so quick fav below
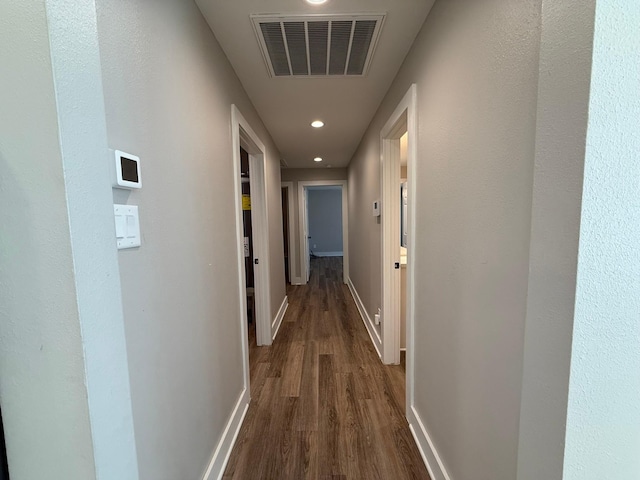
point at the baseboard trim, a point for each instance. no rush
(368, 323)
(328, 254)
(296, 281)
(275, 325)
(430, 456)
(223, 451)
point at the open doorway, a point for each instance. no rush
(4, 467)
(252, 243)
(398, 164)
(323, 220)
(249, 254)
(288, 231)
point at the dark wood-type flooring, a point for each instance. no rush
(322, 404)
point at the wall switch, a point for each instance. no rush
(377, 317)
(127, 226)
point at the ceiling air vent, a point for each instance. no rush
(315, 46)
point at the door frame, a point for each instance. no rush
(302, 218)
(244, 136)
(292, 258)
(403, 119)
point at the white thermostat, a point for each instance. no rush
(128, 174)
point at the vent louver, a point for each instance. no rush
(313, 46)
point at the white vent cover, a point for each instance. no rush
(318, 45)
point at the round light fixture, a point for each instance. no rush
(317, 159)
(316, 2)
(317, 124)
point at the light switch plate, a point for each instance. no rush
(376, 208)
(127, 226)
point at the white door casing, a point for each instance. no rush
(403, 119)
(304, 227)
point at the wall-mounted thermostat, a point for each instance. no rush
(376, 208)
(128, 174)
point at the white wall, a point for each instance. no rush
(325, 220)
(476, 69)
(603, 423)
(168, 92)
(64, 380)
(561, 127)
(43, 393)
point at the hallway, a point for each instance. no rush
(322, 404)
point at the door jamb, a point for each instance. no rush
(404, 118)
(244, 136)
(302, 187)
(292, 259)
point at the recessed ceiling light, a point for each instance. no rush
(317, 159)
(316, 2)
(317, 124)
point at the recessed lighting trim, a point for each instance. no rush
(317, 159)
(316, 2)
(317, 124)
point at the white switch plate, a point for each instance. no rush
(127, 226)
(376, 208)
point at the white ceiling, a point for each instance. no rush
(288, 105)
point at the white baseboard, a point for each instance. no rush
(328, 254)
(430, 456)
(368, 323)
(275, 325)
(222, 452)
(296, 281)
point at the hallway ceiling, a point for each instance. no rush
(288, 104)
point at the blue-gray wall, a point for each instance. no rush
(325, 220)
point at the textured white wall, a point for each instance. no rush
(42, 382)
(561, 128)
(476, 69)
(603, 423)
(168, 93)
(65, 384)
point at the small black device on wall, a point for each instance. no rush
(128, 173)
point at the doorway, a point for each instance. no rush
(398, 145)
(249, 254)
(306, 239)
(288, 230)
(4, 467)
(245, 139)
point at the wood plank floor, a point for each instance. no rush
(323, 405)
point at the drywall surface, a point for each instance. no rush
(325, 220)
(603, 422)
(42, 370)
(311, 174)
(168, 94)
(563, 101)
(296, 175)
(80, 102)
(476, 69)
